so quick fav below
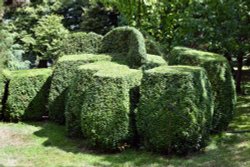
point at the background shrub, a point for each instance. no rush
(106, 104)
(81, 42)
(11, 53)
(175, 109)
(49, 34)
(220, 76)
(63, 73)
(126, 45)
(153, 47)
(27, 94)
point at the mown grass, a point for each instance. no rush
(45, 144)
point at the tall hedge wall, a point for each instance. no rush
(220, 76)
(27, 94)
(81, 42)
(105, 100)
(175, 109)
(126, 45)
(62, 77)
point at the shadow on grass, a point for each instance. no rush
(226, 149)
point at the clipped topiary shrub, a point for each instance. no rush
(153, 61)
(103, 102)
(63, 73)
(175, 109)
(27, 94)
(220, 76)
(81, 42)
(126, 45)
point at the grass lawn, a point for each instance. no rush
(45, 144)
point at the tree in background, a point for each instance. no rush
(217, 26)
(99, 19)
(49, 34)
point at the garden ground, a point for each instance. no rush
(45, 144)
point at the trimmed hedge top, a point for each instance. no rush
(193, 57)
(126, 45)
(27, 73)
(81, 42)
(220, 76)
(27, 94)
(64, 71)
(89, 58)
(113, 70)
(175, 109)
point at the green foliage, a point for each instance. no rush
(218, 26)
(153, 61)
(22, 20)
(220, 76)
(49, 34)
(81, 42)
(63, 73)
(1, 10)
(175, 109)
(126, 45)
(77, 94)
(103, 102)
(27, 94)
(11, 53)
(99, 19)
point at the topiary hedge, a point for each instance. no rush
(126, 45)
(27, 94)
(62, 77)
(81, 42)
(220, 76)
(175, 109)
(105, 100)
(153, 61)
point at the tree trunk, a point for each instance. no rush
(239, 72)
(43, 64)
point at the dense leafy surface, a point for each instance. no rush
(81, 42)
(175, 110)
(126, 45)
(220, 76)
(27, 94)
(62, 77)
(101, 98)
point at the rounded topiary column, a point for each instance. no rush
(175, 109)
(63, 74)
(100, 106)
(220, 76)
